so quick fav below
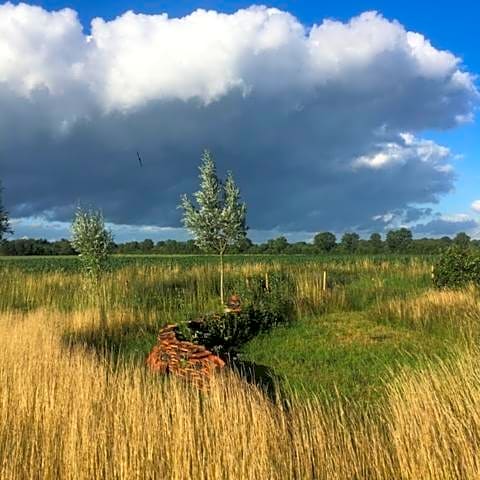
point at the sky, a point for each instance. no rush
(339, 116)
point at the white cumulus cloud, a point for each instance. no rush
(476, 206)
(135, 58)
(406, 148)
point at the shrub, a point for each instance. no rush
(457, 267)
(254, 289)
(224, 333)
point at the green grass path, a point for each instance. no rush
(343, 351)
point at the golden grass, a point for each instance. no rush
(454, 310)
(66, 413)
(435, 420)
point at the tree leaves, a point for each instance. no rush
(218, 220)
(4, 221)
(91, 240)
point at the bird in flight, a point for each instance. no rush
(140, 161)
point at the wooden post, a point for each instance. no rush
(267, 285)
(221, 280)
(324, 282)
(433, 272)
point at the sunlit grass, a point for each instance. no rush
(449, 312)
(344, 353)
(66, 414)
(377, 376)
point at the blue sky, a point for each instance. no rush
(450, 26)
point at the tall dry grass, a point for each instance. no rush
(434, 419)
(454, 311)
(66, 413)
(175, 292)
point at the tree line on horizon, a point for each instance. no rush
(398, 241)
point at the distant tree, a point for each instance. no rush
(475, 243)
(62, 247)
(4, 221)
(349, 242)
(301, 248)
(426, 246)
(445, 242)
(462, 240)
(91, 240)
(375, 243)
(244, 246)
(129, 247)
(191, 247)
(219, 220)
(399, 241)
(277, 245)
(168, 247)
(324, 242)
(147, 245)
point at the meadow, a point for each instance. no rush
(374, 378)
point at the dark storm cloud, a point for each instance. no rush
(441, 226)
(415, 214)
(314, 134)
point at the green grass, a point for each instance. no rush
(344, 354)
(44, 264)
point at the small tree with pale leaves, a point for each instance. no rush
(219, 220)
(91, 240)
(4, 221)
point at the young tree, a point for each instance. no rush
(91, 240)
(4, 221)
(219, 219)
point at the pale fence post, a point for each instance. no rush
(324, 282)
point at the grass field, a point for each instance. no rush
(375, 378)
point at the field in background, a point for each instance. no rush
(376, 378)
(70, 263)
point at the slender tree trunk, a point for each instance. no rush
(221, 278)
